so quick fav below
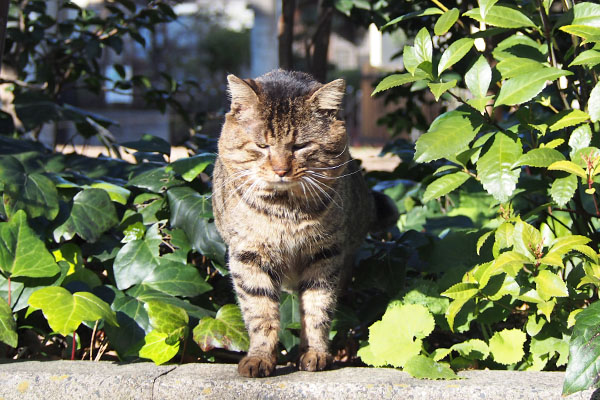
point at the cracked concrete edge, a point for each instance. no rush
(106, 380)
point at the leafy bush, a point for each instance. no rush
(523, 78)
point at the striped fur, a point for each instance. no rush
(292, 207)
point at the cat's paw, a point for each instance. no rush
(256, 367)
(312, 361)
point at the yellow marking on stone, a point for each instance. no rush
(207, 390)
(23, 386)
(281, 386)
(56, 378)
(370, 385)
(404, 385)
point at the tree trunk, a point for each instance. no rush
(3, 21)
(286, 34)
(317, 61)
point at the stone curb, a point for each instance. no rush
(105, 380)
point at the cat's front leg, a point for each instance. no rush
(258, 289)
(317, 291)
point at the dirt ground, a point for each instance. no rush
(368, 155)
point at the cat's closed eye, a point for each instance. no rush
(262, 145)
(300, 146)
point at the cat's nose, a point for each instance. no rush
(281, 172)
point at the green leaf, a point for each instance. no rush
(589, 33)
(189, 168)
(149, 143)
(506, 346)
(546, 307)
(445, 22)
(568, 166)
(189, 211)
(541, 157)
(409, 57)
(423, 46)
(580, 138)
(22, 253)
(473, 349)
(584, 352)
(548, 285)
(484, 6)
(8, 326)
(147, 294)
(157, 349)
(567, 118)
(366, 355)
(509, 261)
(512, 67)
(525, 87)
(563, 189)
(562, 245)
(586, 13)
(415, 14)
(589, 58)
(32, 192)
(448, 135)
(226, 330)
(393, 341)
(479, 77)
(116, 193)
(397, 80)
(438, 89)
(454, 53)
(594, 103)
(494, 168)
(65, 311)
(176, 279)
(167, 318)
(137, 259)
(425, 368)
(157, 180)
(444, 185)
(534, 325)
(501, 16)
(482, 239)
(453, 309)
(92, 213)
(526, 238)
(461, 290)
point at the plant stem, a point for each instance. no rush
(9, 293)
(92, 341)
(74, 345)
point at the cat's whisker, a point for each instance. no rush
(314, 194)
(320, 175)
(316, 183)
(335, 166)
(343, 151)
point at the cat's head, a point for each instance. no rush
(283, 130)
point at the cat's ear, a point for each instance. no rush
(330, 95)
(242, 93)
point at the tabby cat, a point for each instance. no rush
(292, 207)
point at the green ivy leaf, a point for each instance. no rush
(549, 285)
(523, 88)
(151, 144)
(494, 168)
(189, 168)
(563, 189)
(146, 294)
(448, 135)
(176, 279)
(22, 253)
(584, 352)
(454, 53)
(541, 157)
(65, 311)
(446, 21)
(168, 319)
(479, 77)
(8, 326)
(226, 330)
(594, 103)
(157, 348)
(92, 214)
(506, 346)
(502, 17)
(425, 368)
(116, 193)
(444, 185)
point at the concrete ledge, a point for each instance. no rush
(105, 380)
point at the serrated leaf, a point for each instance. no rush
(445, 22)
(453, 309)
(514, 66)
(584, 352)
(526, 239)
(549, 285)
(524, 87)
(461, 291)
(585, 13)
(563, 189)
(22, 252)
(594, 103)
(567, 118)
(415, 14)
(502, 17)
(572, 316)
(479, 77)
(409, 58)
(366, 355)
(589, 33)
(482, 239)
(226, 330)
(580, 138)
(65, 311)
(562, 245)
(449, 134)
(454, 53)
(546, 307)
(157, 349)
(484, 6)
(425, 368)
(473, 349)
(494, 168)
(587, 251)
(423, 46)
(438, 89)
(444, 185)
(189, 168)
(506, 346)
(397, 80)
(568, 166)
(541, 157)
(92, 214)
(510, 262)
(534, 325)
(589, 58)
(8, 326)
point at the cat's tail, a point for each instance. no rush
(386, 212)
